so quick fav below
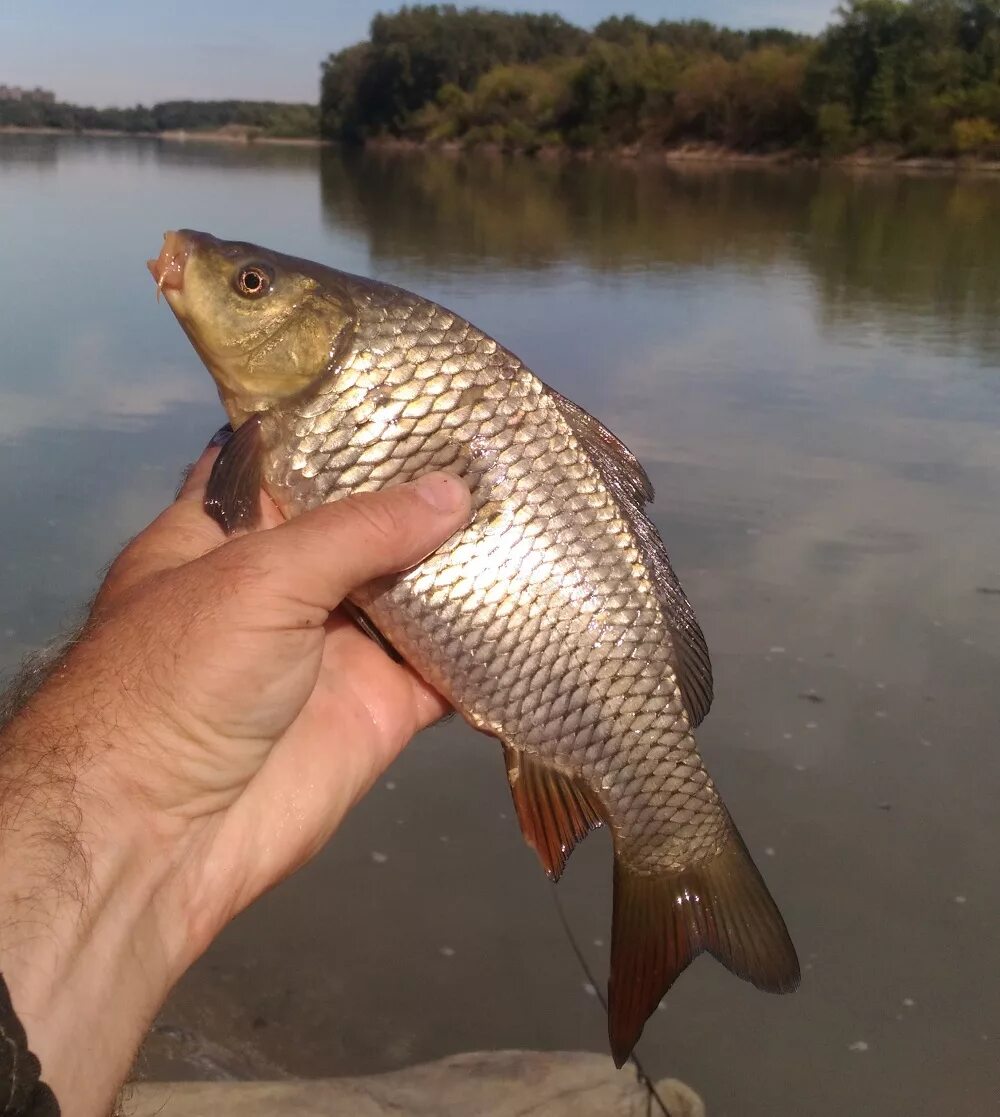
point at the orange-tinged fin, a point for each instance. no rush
(663, 922)
(232, 497)
(554, 810)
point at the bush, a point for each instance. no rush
(835, 129)
(977, 136)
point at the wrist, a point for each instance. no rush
(85, 885)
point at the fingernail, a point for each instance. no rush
(444, 492)
(221, 437)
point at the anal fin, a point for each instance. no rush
(554, 810)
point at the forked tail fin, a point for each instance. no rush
(662, 922)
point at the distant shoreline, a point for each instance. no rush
(684, 154)
(229, 136)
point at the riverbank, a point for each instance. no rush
(488, 1084)
(231, 135)
(707, 153)
(681, 154)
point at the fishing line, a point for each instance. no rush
(651, 1091)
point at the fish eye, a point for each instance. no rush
(252, 282)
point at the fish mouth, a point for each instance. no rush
(168, 268)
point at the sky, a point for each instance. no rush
(122, 52)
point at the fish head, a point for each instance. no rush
(266, 325)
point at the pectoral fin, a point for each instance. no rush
(371, 630)
(232, 497)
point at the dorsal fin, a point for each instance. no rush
(554, 810)
(606, 449)
(232, 496)
(629, 482)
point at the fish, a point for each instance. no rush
(553, 622)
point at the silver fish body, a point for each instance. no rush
(540, 622)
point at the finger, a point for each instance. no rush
(428, 704)
(317, 559)
(346, 644)
(195, 477)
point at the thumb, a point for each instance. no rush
(318, 558)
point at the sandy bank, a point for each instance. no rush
(491, 1084)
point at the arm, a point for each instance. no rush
(201, 740)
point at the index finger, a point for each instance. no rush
(195, 478)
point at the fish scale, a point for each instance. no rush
(553, 621)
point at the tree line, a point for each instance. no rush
(911, 77)
(265, 118)
(917, 78)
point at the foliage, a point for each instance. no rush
(975, 137)
(272, 118)
(908, 74)
(834, 128)
(521, 80)
(921, 76)
(516, 106)
(375, 88)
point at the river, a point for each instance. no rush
(807, 363)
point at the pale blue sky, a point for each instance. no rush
(123, 51)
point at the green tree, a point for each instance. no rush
(412, 53)
(766, 100)
(908, 71)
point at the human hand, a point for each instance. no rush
(257, 713)
(204, 738)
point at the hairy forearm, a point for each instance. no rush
(81, 898)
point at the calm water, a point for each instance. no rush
(808, 365)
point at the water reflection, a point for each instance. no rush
(480, 211)
(20, 151)
(255, 157)
(916, 255)
(912, 255)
